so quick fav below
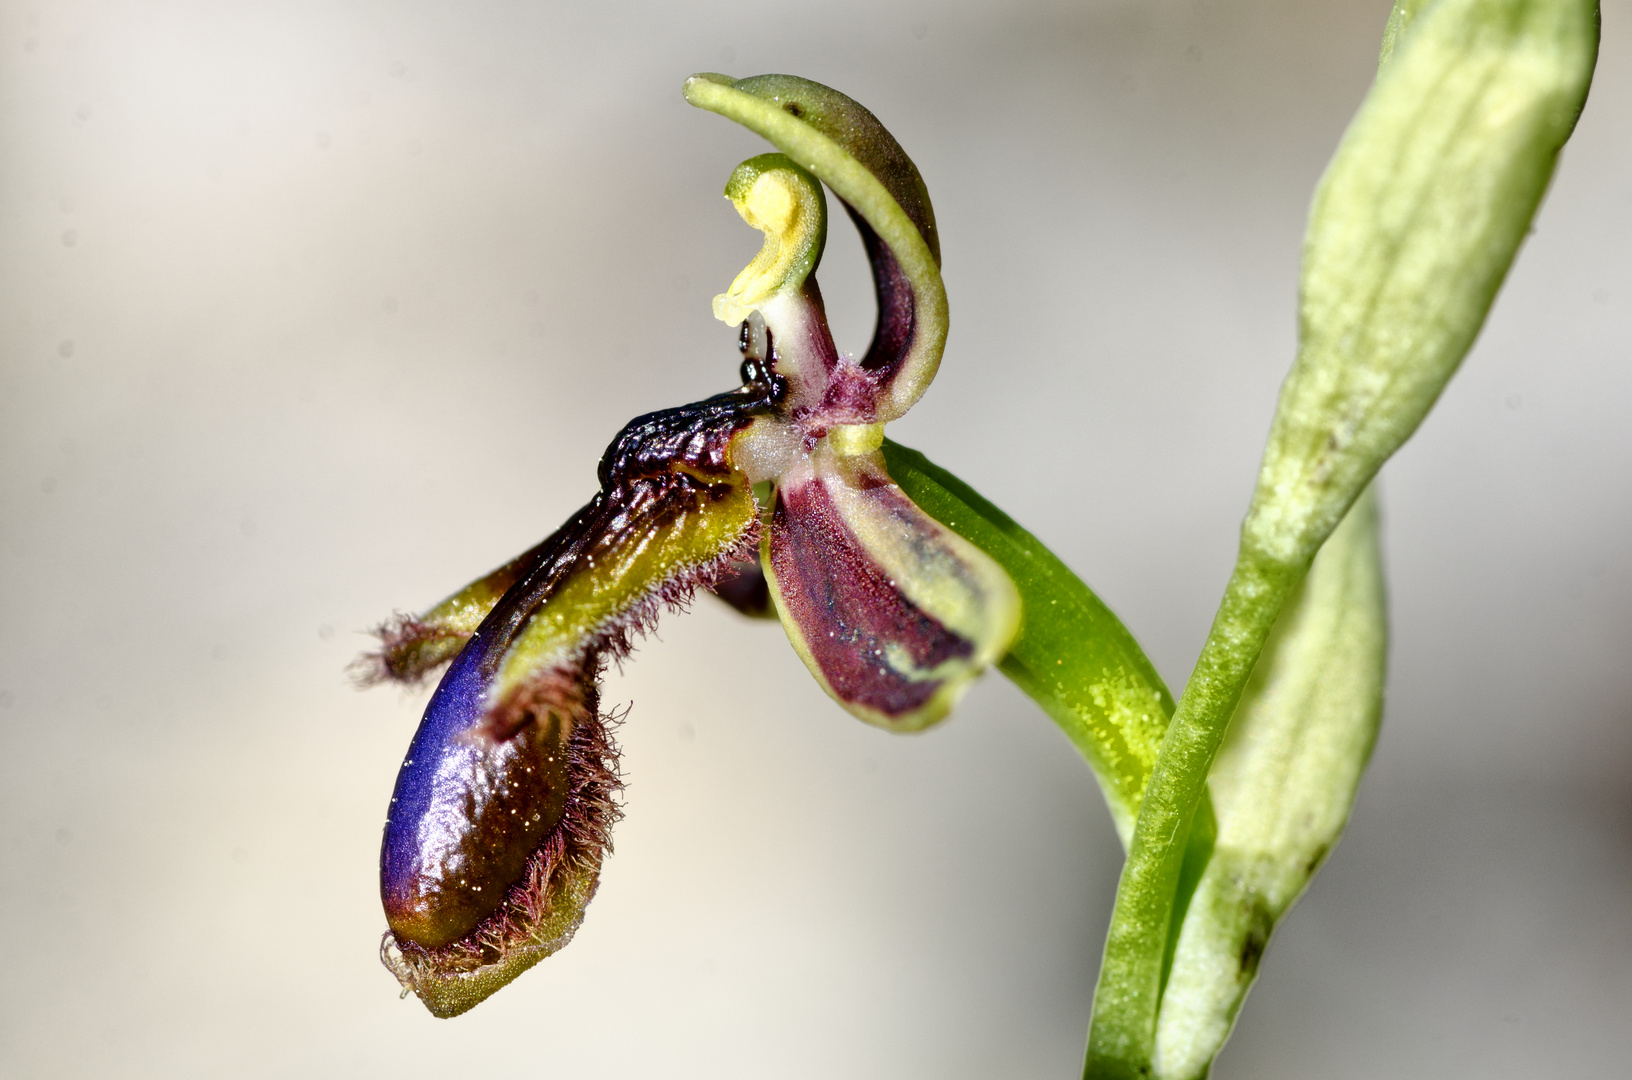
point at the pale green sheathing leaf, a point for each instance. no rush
(1399, 21)
(1282, 786)
(1412, 231)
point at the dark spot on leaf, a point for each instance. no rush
(793, 108)
(1256, 940)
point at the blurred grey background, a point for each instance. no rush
(310, 311)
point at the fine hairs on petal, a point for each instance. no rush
(540, 913)
(410, 651)
(676, 594)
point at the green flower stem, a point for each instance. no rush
(1283, 785)
(1412, 231)
(1122, 1035)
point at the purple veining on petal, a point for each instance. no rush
(857, 626)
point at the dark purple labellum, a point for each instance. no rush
(470, 809)
(502, 807)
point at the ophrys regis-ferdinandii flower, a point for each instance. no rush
(504, 802)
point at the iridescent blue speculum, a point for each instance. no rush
(504, 802)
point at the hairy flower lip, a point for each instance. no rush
(469, 809)
(539, 914)
(490, 824)
(477, 877)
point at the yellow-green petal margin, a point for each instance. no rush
(623, 571)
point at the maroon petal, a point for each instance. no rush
(893, 613)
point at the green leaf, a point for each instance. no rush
(1283, 785)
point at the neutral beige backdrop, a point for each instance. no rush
(310, 311)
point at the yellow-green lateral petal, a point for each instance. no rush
(412, 646)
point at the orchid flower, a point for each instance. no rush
(898, 585)
(504, 802)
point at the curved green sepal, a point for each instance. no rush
(846, 147)
(1072, 656)
(1283, 785)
